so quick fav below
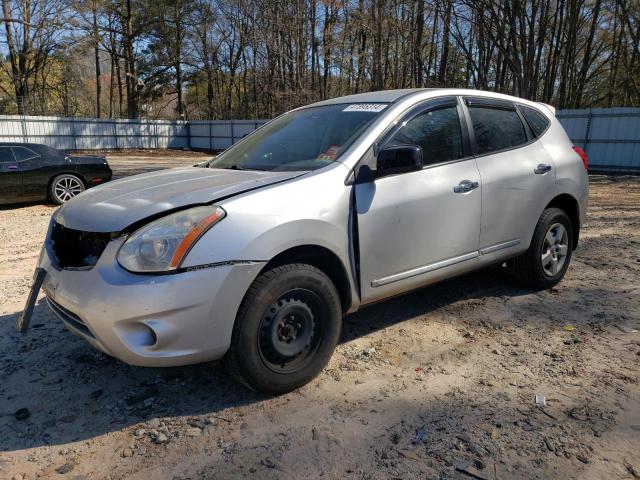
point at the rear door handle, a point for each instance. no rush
(12, 167)
(465, 186)
(541, 169)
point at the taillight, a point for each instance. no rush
(583, 156)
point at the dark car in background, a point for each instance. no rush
(33, 172)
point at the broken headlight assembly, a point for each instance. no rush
(162, 245)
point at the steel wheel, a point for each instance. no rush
(287, 338)
(286, 329)
(65, 187)
(554, 249)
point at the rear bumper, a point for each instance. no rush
(93, 179)
(149, 320)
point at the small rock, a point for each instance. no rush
(22, 414)
(314, 434)
(66, 468)
(140, 432)
(582, 458)
(497, 352)
(158, 437)
(127, 452)
(192, 432)
(154, 423)
(550, 446)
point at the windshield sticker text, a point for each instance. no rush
(365, 107)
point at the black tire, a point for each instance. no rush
(286, 329)
(64, 187)
(528, 268)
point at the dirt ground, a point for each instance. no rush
(440, 383)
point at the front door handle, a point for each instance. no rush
(12, 167)
(465, 186)
(541, 169)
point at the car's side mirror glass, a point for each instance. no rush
(399, 159)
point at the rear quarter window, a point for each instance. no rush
(538, 122)
(24, 153)
(496, 129)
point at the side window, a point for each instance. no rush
(537, 121)
(5, 155)
(436, 131)
(496, 129)
(24, 153)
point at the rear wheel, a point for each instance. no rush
(286, 330)
(64, 187)
(548, 257)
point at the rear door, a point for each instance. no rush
(518, 176)
(418, 227)
(10, 177)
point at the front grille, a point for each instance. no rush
(77, 249)
(70, 318)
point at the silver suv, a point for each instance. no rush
(256, 255)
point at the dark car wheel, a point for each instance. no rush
(548, 257)
(286, 329)
(64, 187)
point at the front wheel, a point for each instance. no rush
(548, 257)
(286, 329)
(64, 187)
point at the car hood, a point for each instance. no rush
(114, 206)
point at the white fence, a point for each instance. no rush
(104, 134)
(219, 134)
(611, 136)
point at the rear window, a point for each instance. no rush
(496, 129)
(538, 122)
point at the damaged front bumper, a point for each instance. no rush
(148, 320)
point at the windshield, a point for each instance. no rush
(304, 139)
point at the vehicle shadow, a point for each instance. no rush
(73, 392)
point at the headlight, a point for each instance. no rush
(162, 245)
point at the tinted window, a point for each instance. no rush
(5, 155)
(23, 153)
(436, 131)
(496, 129)
(537, 121)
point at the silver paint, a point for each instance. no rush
(413, 229)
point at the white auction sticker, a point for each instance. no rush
(365, 107)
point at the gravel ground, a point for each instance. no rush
(440, 383)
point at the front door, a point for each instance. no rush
(418, 227)
(10, 177)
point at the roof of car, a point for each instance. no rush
(381, 96)
(21, 144)
(392, 96)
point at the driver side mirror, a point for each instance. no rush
(399, 159)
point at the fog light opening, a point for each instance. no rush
(141, 335)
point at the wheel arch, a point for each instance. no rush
(571, 207)
(324, 260)
(64, 172)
